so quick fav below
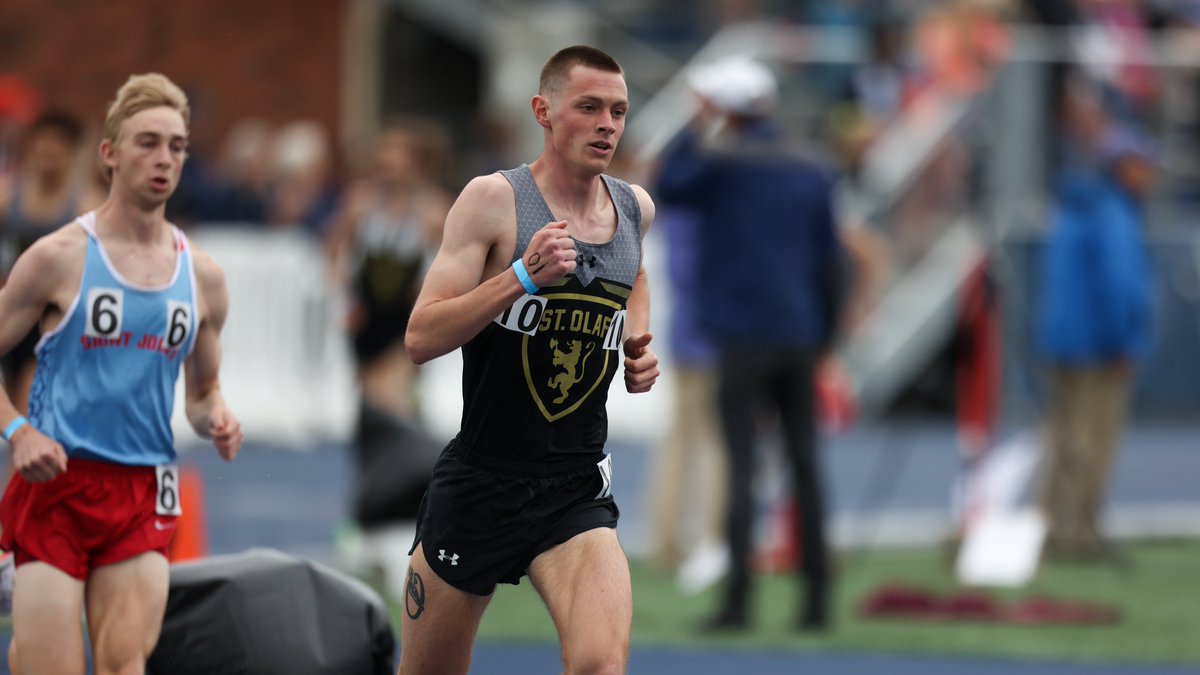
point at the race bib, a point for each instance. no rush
(605, 467)
(524, 315)
(166, 503)
(616, 329)
(103, 312)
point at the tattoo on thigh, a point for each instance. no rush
(414, 597)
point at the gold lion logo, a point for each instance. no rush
(571, 365)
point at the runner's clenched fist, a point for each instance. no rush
(551, 254)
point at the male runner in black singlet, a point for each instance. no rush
(539, 280)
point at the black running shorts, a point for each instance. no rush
(480, 527)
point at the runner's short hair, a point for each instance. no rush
(554, 73)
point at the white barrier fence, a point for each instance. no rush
(286, 369)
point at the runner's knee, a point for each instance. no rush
(594, 660)
(599, 667)
(134, 665)
(125, 659)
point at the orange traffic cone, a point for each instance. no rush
(191, 531)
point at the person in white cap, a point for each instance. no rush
(770, 296)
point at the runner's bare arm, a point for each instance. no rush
(456, 300)
(25, 296)
(205, 405)
(641, 363)
(38, 278)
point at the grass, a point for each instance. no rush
(1159, 598)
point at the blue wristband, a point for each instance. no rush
(523, 277)
(14, 426)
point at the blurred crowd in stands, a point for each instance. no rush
(295, 173)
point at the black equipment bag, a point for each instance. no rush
(266, 613)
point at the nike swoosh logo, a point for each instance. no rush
(160, 525)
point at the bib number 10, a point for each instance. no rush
(524, 315)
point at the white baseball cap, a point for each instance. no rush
(735, 84)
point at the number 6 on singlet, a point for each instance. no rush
(166, 501)
(179, 322)
(104, 309)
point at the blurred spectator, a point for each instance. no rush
(769, 282)
(1094, 321)
(302, 193)
(692, 452)
(19, 104)
(380, 239)
(49, 189)
(961, 42)
(243, 174)
(883, 85)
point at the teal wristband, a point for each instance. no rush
(14, 426)
(523, 277)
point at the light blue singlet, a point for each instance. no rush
(105, 381)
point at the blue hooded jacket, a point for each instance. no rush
(1096, 290)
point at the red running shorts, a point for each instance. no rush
(95, 514)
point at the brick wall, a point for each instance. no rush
(275, 59)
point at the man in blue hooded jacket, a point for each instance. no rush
(1093, 327)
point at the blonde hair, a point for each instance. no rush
(142, 92)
